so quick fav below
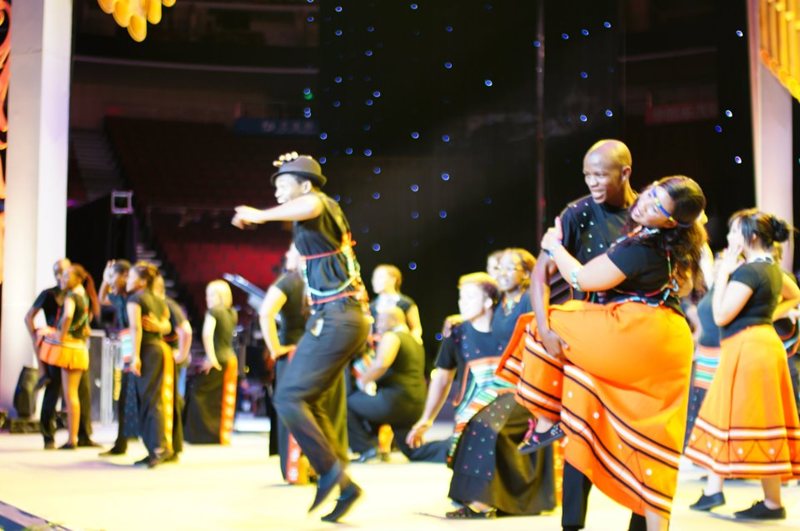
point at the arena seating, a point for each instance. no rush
(187, 178)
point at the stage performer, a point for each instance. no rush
(489, 474)
(336, 332)
(748, 426)
(211, 395)
(68, 348)
(151, 364)
(590, 225)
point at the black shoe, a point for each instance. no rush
(365, 456)
(759, 511)
(143, 461)
(49, 445)
(535, 441)
(348, 497)
(114, 450)
(326, 483)
(67, 446)
(88, 443)
(466, 512)
(708, 502)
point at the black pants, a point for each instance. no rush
(334, 405)
(334, 335)
(52, 392)
(149, 391)
(575, 501)
(127, 399)
(366, 413)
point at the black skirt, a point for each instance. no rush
(488, 468)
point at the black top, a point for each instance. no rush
(47, 301)
(293, 314)
(466, 344)
(404, 302)
(589, 228)
(503, 323)
(646, 271)
(120, 304)
(223, 332)
(407, 372)
(766, 281)
(80, 317)
(176, 319)
(323, 234)
(149, 303)
(709, 331)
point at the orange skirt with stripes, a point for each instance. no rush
(621, 394)
(748, 426)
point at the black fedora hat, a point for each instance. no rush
(305, 167)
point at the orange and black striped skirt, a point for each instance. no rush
(621, 395)
(748, 426)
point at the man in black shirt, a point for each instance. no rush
(590, 225)
(338, 328)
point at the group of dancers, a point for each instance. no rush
(590, 343)
(154, 339)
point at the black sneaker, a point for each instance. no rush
(88, 443)
(708, 502)
(534, 441)
(759, 511)
(114, 450)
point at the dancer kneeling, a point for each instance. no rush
(489, 474)
(620, 393)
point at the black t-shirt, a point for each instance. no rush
(407, 372)
(404, 302)
(503, 323)
(709, 333)
(78, 327)
(120, 305)
(466, 344)
(646, 270)
(176, 319)
(588, 230)
(293, 314)
(766, 281)
(223, 332)
(321, 235)
(48, 302)
(149, 303)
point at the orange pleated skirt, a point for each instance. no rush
(621, 395)
(71, 354)
(748, 426)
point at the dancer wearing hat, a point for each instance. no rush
(336, 331)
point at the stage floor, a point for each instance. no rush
(239, 487)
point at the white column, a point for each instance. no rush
(36, 170)
(772, 136)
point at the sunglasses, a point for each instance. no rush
(658, 204)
